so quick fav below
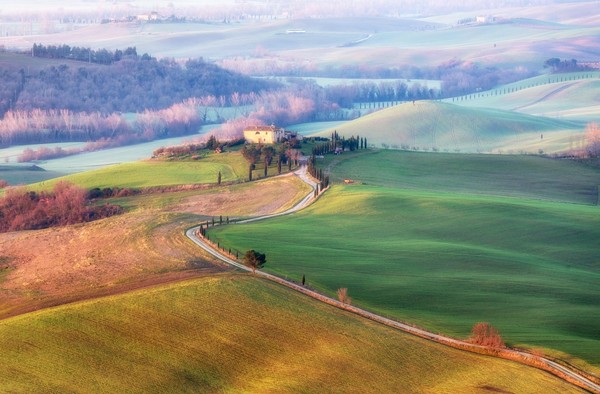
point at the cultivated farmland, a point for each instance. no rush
(235, 333)
(448, 258)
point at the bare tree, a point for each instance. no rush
(592, 137)
(485, 334)
(343, 297)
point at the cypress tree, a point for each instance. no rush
(219, 178)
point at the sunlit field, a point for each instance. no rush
(450, 257)
(236, 333)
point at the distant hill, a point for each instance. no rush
(441, 126)
(132, 84)
(572, 96)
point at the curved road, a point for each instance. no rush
(523, 357)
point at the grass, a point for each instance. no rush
(444, 126)
(150, 173)
(571, 96)
(144, 246)
(501, 175)
(446, 260)
(236, 333)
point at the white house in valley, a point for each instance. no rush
(264, 134)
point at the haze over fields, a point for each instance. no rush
(445, 156)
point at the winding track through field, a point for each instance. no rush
(515, 355)
(545, 97)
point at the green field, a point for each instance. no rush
(150, 173)
(235, 333)
(429, 125)
(500, 175)
(446, 260)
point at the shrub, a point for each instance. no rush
(485, 334)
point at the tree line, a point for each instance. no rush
(101, 131)
(100, 56)
(66, 204)
(131, 84)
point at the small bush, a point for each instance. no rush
(485, 334)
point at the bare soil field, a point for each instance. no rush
(143, 247)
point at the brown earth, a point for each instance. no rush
(141, 248)
(251, 199)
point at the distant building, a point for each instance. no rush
(263, 134)
(485, 19)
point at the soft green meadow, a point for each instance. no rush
(448, 258)
(426, 125)
(500, 175)
(235, 333)
(149, 173)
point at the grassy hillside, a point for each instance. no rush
(446, 260)
(150, 173)
(444, 126)
(394, 41)
(144, 246)
(501, 175)
(236, 333)
(570, 96)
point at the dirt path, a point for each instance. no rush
(547, 96)
(525, 358)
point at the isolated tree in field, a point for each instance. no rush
(219, 178)
(254, 259)
(343, 297)
(485, 334)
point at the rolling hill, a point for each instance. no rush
(236, 333)
(444, 126)
(430, 240)
(569, 96)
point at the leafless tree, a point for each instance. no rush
(343, 297)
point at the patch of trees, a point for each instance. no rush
(194, 150)
(563, 66)
(283, 153)
(66, 204)
(44, 126)
(101, 56)
(337, 144)
(457, 78)
(130, 84)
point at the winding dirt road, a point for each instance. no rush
(525, 358)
